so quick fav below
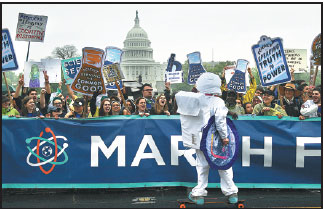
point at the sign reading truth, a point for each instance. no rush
(195, 67)
(271, 61)
(90, 78)
(70, 68)
(31, 28)
(9, 61)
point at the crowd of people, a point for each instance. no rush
(295, 99)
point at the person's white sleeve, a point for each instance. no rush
(308, 108)
(220, 120)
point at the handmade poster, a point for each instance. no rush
(70, 68)
(90, 77)
(53, 69)
(237, 82)
(317, 50)
(296, 59)
(33, 74)
(195, 67)
(112, 73)
(31, 27)
(218, 156)
(9, 60)
(173, 72)
(271, 61)
(113, 56)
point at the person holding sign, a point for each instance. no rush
(160, 107)
(78, 106)
(268, 108)
(291, 101)
(313, 107)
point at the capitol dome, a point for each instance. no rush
(137, 59)
(137, 46)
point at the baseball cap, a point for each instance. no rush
(78, 102)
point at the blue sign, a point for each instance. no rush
(195, 67)
(113, 55)
(237, 82)
(271, 61)
(70, 68)
(9, 60)
(103, 152)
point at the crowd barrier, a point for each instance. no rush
(134, 151)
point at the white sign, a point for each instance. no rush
(297, 59)
(53, 68)
(33, 75)
(31, 28)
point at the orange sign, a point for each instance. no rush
(317, 50)
(90, 78)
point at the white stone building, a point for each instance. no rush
(137, 60)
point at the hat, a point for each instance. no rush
(269, 92)
(5, 99)
(78, 102)
(57, 98)
(209, 83)
(290, 86)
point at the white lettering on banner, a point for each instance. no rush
(247, 151)
(176, 153)
(147, 140)
(301, 152)
(97, 142)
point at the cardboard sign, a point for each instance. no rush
(53, 69)
(317, 50)
(9, 60)
(237, 82)
(112, 85)
(297, 59)
(195, 67)
(70, 68)
(271, 61)
(90, 78)
(173, 73)
(112, 73)
(33, 74)
(31, 28)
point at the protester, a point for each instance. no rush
(7, 109)
(57, 104)
(78, 109)
(248, 108)
(130, 107)
(160, 106)
(141, 107)
(231, 104)
(312, 107)
(115, 107)
(252, 88)
(268, 108)
(290, 99)
(147, 92)
(29, 108)
(209, 84)
(256, 100)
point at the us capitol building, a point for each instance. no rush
(137, 61)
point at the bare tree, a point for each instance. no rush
(65, 52)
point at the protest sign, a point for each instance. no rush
(173, 73)
(70, 68)
(271, 61)
(33, 74)
(112, 73)
(9, 61)
(90, 78)
(113, 56)
(195, 67)
(53, 69)
(296, 59)
(317, 50)
(31, 28)
(237, 82)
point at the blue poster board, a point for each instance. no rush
(271, 61)
(195, 67)
(9, 60)
(70, 68)
(237, 82)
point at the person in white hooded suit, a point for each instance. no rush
(195, 110)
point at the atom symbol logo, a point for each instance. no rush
(47, 151)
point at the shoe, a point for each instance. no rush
(232, 199)
(199, 200)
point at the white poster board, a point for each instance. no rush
(53, 68)
(33, 74)
(31, 27)
(297, 59)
